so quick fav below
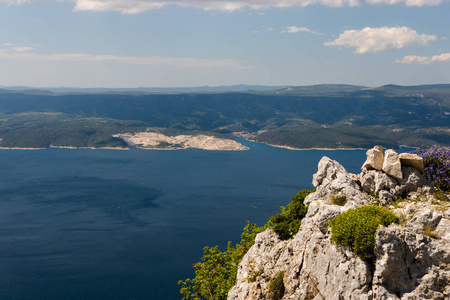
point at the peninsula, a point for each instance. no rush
(158, 141)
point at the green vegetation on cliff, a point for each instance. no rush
(216, 273)
(287, 222)
(356, 228)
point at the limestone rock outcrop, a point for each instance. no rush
(412, 160)
(412, 258)
(396, 179)
(410, 265)
(375, 159)
(332, 179)
(313, 265)
(392, 165)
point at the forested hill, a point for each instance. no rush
(332, 116)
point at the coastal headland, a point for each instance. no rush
(158, 141)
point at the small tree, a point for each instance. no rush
(216, 274)
(287, 222)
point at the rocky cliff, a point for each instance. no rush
(411, 257)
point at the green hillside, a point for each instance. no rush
(330, 116)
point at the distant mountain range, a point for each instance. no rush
(325, 116)
(310, 90)
(200, 89)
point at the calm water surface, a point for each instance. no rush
(104, 224)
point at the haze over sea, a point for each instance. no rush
(104, 224)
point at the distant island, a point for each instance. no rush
(325, 116)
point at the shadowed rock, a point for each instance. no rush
(412, 160)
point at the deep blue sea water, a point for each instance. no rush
(105, 224)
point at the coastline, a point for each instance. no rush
(20, 148)
(184, 146)
(324, 149)
(305, 149)
(116, 148)
(91, 148)
(64, 147)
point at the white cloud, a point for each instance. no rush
(16, 2)
(413, 59)
(269, 29)
(22, 49)
(123, 6)
(294, 29)
(406, 2)
(183, 62)
(372, 40)
(441, 57)
(139, 6)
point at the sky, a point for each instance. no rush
(183, 43)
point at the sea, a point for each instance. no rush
(108, 224)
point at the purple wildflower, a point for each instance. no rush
(437, 165)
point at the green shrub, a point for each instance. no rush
(276, 286)
(286, 223)
(356, 228)
(216, 273)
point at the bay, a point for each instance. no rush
(105, 224)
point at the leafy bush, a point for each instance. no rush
(276, 286)
(286, 223)
(356, 228)
(437, 165)
(216, 273)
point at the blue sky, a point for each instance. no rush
(169, 43)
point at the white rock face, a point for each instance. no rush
(313, 265)
(392, 165)
(387, 187)
(332, 178)
(412, 180)
(374, 159)
(408, 264)
(376, 181)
